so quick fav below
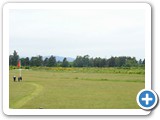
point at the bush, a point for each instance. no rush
(12, 67)
(27, 67)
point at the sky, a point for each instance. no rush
(68, 33)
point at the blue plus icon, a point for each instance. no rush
(147, 99)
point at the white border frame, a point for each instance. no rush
(9, 6)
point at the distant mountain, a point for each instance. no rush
(60, 58)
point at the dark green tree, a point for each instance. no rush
(13, 59)
(40, 60)
(33, 61)
(65, 63)
(23, 62)
(91, 62)
(140, 62)
(122, 61)
(143, 62)
(131, 62)
(97, 62)
(78, 62)
(85, 61)
(51, 61)
(103, 62)
(45, 62)
(10, 60)
(111, 62)
(27, 62)
(36, 61)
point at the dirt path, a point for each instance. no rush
(24, 100)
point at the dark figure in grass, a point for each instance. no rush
(19, 79)
(14, 78)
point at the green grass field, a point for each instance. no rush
(76, 88)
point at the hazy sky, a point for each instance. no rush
(98, 33)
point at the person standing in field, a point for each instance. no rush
(19, 79)
(14, 78)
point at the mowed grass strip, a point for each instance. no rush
(75, 90)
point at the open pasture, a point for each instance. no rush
(76, 88)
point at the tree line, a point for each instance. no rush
(80, 61)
